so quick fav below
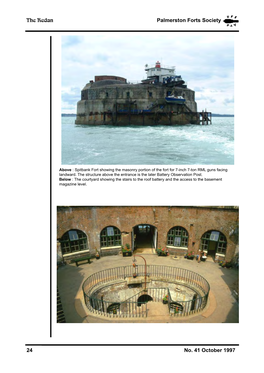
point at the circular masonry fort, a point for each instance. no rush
(161, 98)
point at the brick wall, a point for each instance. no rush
(196, 220)
(98, 78)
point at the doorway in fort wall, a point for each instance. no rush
(144, 239)
(214, 244)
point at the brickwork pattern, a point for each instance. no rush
(196, 220)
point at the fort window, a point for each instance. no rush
(178, 236)
(73, 241)
(106, 94)
(150, 94)
(214, 242)
(128, 94)
(110, 236)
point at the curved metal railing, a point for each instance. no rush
(133, 306)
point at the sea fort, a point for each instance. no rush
(162, 98)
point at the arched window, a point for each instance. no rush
(178, 236)
(72, 241)
(216, 240)
(110, 236)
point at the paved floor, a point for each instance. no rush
(222, 307)
(158, 309)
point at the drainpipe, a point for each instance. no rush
(134, 260)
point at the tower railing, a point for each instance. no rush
(136, 305)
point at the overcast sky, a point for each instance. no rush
(204, 60)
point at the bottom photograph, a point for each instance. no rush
(147, 264)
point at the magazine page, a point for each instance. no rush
(142, 159)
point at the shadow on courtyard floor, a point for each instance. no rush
(231, 278)
(69, 279)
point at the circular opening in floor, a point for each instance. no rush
(116, 292)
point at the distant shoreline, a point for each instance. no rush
(222, 115)
(213, 115)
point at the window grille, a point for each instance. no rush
(178, 236)
(214, 236)
(72, 241)
(110, 236)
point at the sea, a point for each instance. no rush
(148, 145)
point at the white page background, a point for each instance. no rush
(26, 281)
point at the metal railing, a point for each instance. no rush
(136, 305)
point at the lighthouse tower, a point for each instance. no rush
(161, 74)
(159, 71)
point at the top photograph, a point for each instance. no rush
(147, 98)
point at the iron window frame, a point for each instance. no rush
(221, 242)
(179, 232)
(69, 246)
(110, 241)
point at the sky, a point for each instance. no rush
(204, 60)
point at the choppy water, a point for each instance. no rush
(148, 145)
